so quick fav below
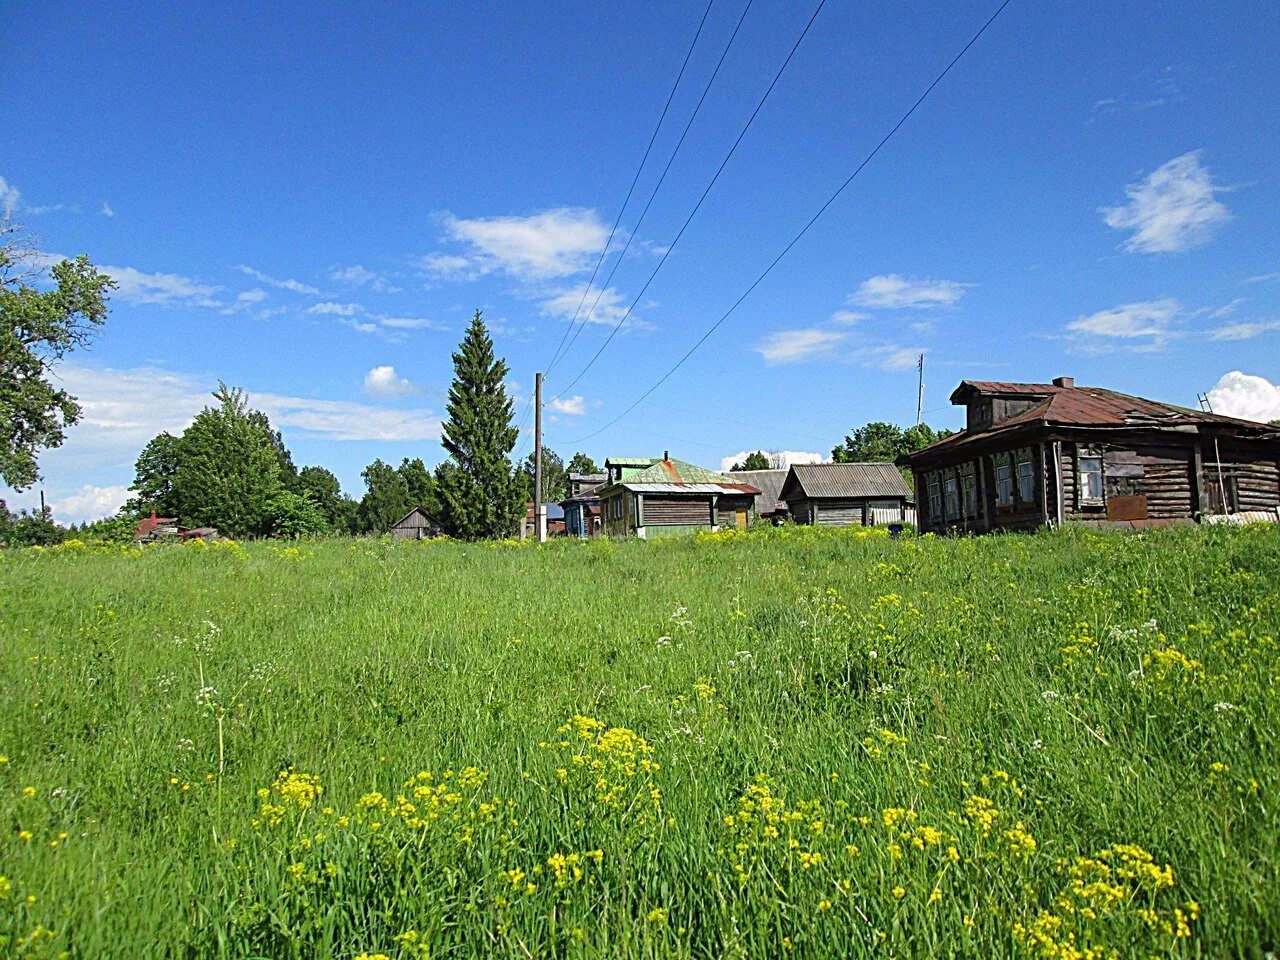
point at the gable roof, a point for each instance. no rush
(630, 461)
(677, 476)
(425, 515)
(1073, 406)
(821, 481)
(769, 482)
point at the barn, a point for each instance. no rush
(846, 494)
(417, 524)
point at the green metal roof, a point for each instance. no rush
(677, 471)
(632, 461)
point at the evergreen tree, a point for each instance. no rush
(481, 498)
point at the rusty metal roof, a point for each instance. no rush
(1085, 407)
(741, 488)
(842, 481)
(676, 476)
(1001, 387)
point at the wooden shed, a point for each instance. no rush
(769, 504)
(670, 496)
(417, 524)
(1036, 454)
(846, 494)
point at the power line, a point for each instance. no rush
(805, 229)
(634, 181)
(657, 186)
(697, 206)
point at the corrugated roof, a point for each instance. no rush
(655, 487)
(821, 481)
(677, 476)
(1085, 407)
(769, 483)
(631, 461)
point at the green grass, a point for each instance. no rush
(830, 746)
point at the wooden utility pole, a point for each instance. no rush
(920, 390)
(539, 526)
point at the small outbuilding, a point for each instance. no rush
(769, 504)
(417, 524)
(847, 494)
(582, 506)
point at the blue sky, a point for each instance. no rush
(310, 203)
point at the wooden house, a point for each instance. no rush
(769, 505)
(554, 518)
(417, 524)
(582, 506)
(846, 494)
(648, 498)
(1035, 454)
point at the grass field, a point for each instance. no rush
(777, 743)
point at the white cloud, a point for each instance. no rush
(573, 406)
(382, 381)
(1263, 278)
(610, 307)
(891, 357)
(1146, 325)
(783, 458)
(1245, 330)
(294, 285)
(897, 292)
(106, 209)
(89, 503)
(44, 208)
(1173, 209)
(347, 420)
(9, 196)
(554, 243)
(256, 295)
(359, 276)
(1246, 396)
(411, 323)
(134, 286)
(847, 318)
(797, 346)
(329, 308)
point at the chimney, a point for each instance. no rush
(153, 514)
(1064, 382)
(666, 454)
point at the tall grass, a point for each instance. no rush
(775, 743)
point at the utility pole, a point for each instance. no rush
(539, 524)
(920, 391)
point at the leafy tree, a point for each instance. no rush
(555, 479)
(581, 463)
(228, 469)
(753, 461)
(37, 329)
(386, 498)
(288, 472)
(153, 476)
(292, 515)
(481, 498)
(322, 487)
(885, 442)
(421, 484)
(32, 528)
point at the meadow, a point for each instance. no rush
(775, 743)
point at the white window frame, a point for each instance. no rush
(1089, 453)
(951, 496)
(935, 496)
(1004, 484)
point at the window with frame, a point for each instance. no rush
(1004, 484)
(1026, 479)
(1089, 472)
(1221, 489)
(935, 498)
(969, 490)
(951, 495)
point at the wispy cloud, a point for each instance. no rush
(360, 276)
(574, 406)
(411, 323)
(892, 357)
(610, 306)
(106, 210)
(798, 346)
(135, 286)
(1246, 396)
(893, 291)
(383, 381)
(1263, 277)
(1244, 330)
(1174, 209)
(294, 285)
(542, 246)
(1143, 326)
(9, 197)
(332, 309)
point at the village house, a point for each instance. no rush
(1035, 454)
(154, 528)
(768, 505)
(529, 522)
(846, 494)
(417, 524)
(648, 498)
(582, 506)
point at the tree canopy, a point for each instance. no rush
(555, 478)
(37, 329)
(581, 463)
(753, 461)
(885, 442)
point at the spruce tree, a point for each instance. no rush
(479, 495)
